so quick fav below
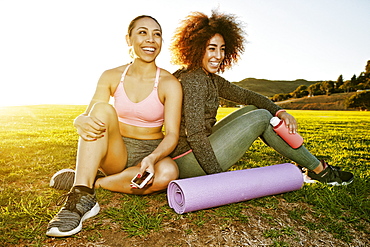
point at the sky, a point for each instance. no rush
(53, 51)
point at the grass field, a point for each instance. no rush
(37, 141)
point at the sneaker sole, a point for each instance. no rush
(341, 184)
(62, 186)
(308, 180)
(54, 232)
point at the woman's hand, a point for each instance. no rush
(290, 122)
(89, 128)
(147, 164)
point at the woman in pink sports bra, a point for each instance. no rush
(117, 143)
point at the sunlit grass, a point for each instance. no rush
(36, 141)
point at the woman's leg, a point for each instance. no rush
(227, 119)
(300, 155)
(164, 172)
(230, 141)
(108, 152)
(188, 164)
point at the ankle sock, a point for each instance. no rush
(324, 165)
(99, 174)
(85, 189)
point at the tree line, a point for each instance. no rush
(360, 84)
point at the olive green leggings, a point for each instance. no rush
(233, 135)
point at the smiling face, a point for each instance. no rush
(215, 54)
(146, 39)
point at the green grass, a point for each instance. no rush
(36, 141)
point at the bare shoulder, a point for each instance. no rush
(112, 74)
(110, 78)
(167, 78)
(169, 86)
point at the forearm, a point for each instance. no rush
(166, 146)
(232, 92)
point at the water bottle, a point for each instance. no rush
(294, 140)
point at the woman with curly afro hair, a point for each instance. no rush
(204, 46)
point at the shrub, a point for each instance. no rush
(280, 97)
(359, 100)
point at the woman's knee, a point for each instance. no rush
(167, 171)
(170, 170)
(102, 107)
(103, 110)
(249, 108)
(261, 115)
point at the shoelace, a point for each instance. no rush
(63, 198)
(334, 173)
(69, 199)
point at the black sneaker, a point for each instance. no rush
(64, 179)
(305, 170)
(332, 175)
(79, 206)
(306, 178)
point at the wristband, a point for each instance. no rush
(281, 110)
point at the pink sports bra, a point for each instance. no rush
(146, 113)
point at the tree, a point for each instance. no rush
(362, 82)
(350, 86)
(354, 81)
(314, 89)
(367, 75)
(359, 100)
(300, 92)
(346, 87)
(367, 68)
(280, 97)
(339, 82)
(327, 87)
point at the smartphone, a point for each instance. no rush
(140, 182)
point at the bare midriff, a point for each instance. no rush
(141, 133)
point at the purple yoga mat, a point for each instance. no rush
(192, 194)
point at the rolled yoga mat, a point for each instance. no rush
(192, 194)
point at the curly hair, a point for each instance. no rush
(190, 39)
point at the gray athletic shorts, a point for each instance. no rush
(139, 149)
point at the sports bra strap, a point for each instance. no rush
(124, 73)
(157, 77)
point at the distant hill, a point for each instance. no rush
(320, 102)
(270, 88)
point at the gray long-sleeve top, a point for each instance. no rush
(201, 92)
